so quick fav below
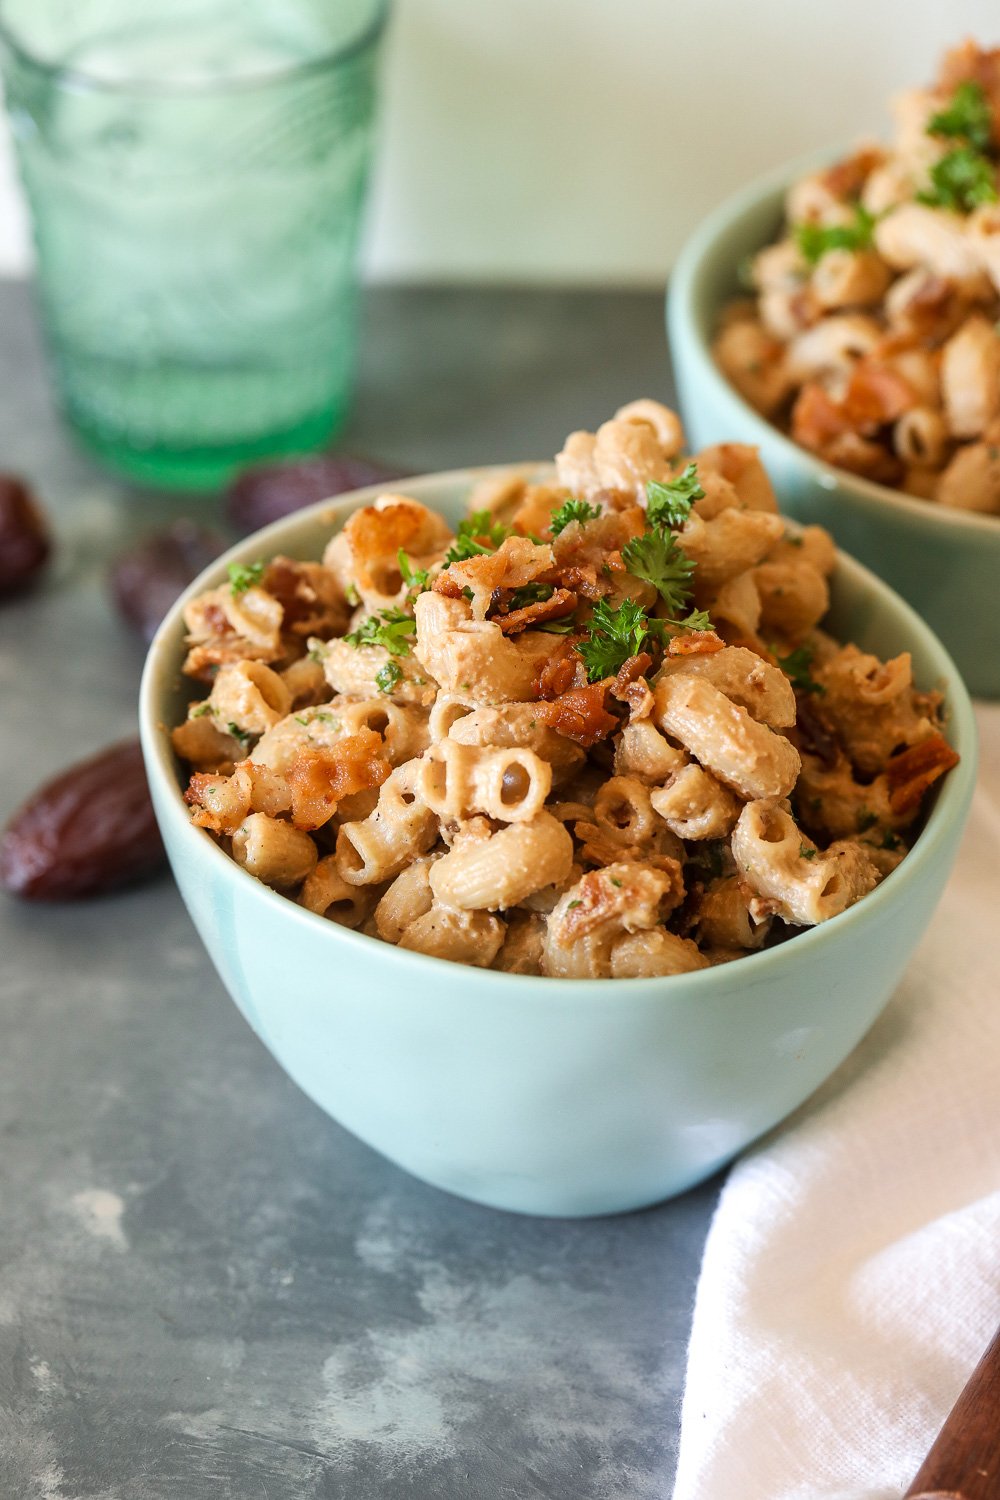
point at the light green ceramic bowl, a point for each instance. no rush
(946, 563)
(551, 1096)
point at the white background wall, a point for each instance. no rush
(580, 140)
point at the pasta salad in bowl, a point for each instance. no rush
(864, 343)
(597, 736)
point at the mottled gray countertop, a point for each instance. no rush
(207, 1288)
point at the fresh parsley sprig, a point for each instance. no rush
(961, 181)
(657, 558)
(669, 504)
(967, 115)
(816, 240)
(386, 677)
(416, 579)
(615, 635)
(529, 593)
(243, 576)
(572, 510)
(477, 534)
(390, 628)
(796, 667)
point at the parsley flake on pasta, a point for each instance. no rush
(572, 510)
(390, 628)
(967, 115)
(658, 558)
(668, 504)
(615, 636)
(243, 576)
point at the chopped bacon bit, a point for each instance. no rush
(580, 714)
(446, 585)
(876, 394)
(215, 618)
(307, 593)
(816, 418)
(639, 697)
(562, 602)
(559, 674)
(696, 643)
(913, 770)
(846, 178)
(630, 671)
(324, 774)
(614, 562)
(204, 659)
(583, 580)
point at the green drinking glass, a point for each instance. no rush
(196, 171)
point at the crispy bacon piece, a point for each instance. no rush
(561, 603)
(696, 643)
(561, 672)
(580, 714)
(846, 178)
(913, 770)
(204, 659)
(446, 585)
(583, 581)
(324, 774)
(876, 394)
(309, 596)
(630, 671)
(816, 418)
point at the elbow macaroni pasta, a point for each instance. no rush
(525, 747)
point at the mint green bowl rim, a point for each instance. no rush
(950, 804)
(685, 323)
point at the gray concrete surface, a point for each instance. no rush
(208, 1290)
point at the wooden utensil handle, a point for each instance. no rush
(964, 1463)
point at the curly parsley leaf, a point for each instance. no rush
(670, 504)
(698, 619)
(529, 593)
(615, 635)
(416, 580)
(243, 576)
(390, 628)
(476, 535)
(656, 557)
(961, 181)
(387, 677)
(572, 510)
(967, 116)
(816, 240)
(796, 667)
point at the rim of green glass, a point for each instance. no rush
(78, 78)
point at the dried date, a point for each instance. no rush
(85, 832)
(24, 535)
(147, 577)
(264, 494)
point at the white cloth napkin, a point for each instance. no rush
(851, 1277)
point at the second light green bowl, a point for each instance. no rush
(946, 563)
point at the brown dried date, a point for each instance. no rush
(264, 494)
(147, 577)
(24, 535)
(88, 830)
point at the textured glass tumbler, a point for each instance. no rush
(195, 172)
